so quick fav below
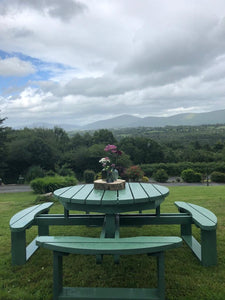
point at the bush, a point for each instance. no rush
(34, 172)
(134, 173)
(89, 176)
(145, 179)
(51, 183)
(64, 170)
(190, 175)
(218, 177)
(161, 175)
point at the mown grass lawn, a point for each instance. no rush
(185, 277)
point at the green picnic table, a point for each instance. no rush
(135, 197)
(112, 210)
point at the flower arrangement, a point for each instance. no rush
(109, 162)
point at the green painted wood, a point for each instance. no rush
(81, 196)
(24, 218)
(31, 248)
(125, 196)
(95, 197)
(138, 193)
(86, 198)
(209, 247)
(155, 191)
(202, 217)
(70, 192)
(194, 245)
(64, 195)
(69, 293)
(109, 198)
(61, 191)
(95, 246)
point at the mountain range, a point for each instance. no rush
(191, 119)
(128, 121)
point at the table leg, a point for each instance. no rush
(157, 210)
(66, 213)
(110, 225)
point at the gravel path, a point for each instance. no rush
(14, 188)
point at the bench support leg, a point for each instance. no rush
(60, 292)
(18, 247)
(57, 274)
(161, 274)
(186, 229)
(208, 247)
(43, 230)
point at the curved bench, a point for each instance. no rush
(18, 224)
(62, 245)
(207, 222)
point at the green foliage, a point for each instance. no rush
(145, 179)
(174, 149)
(64, 170)
(175, 169)
(218, 177)
(34, 172)
(160, 175)
(142, 150)
(89, 176)
(190, 175)
(51, 183)
(134, 173)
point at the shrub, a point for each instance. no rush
(134, 173)
(64, 170)
(218, 176)
(34, 172)
(51, 183)
(190, 175)
(89, 176)
(161, 175)
(145, 179)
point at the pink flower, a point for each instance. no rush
(111, 148)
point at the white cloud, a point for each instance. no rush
(14, 66)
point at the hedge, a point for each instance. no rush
(51, 183)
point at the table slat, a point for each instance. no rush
(69, 193)
(138, 193)
(151, 191)
(125, 196)
(109, 198)
(95, 197)
(80, 196)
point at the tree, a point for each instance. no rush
(3, 137)
(103, 136)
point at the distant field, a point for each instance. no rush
(185, 277)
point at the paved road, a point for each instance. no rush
(14, 188)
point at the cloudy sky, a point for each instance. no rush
(77, 62)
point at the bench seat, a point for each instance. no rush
(201, 216)
(61, 245)
(18, 224)
(24, 218)
(95, 246)
(206, 251)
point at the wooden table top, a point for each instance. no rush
(135, 196)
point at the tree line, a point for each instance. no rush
(29, 152)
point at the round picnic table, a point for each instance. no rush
(135, 197)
